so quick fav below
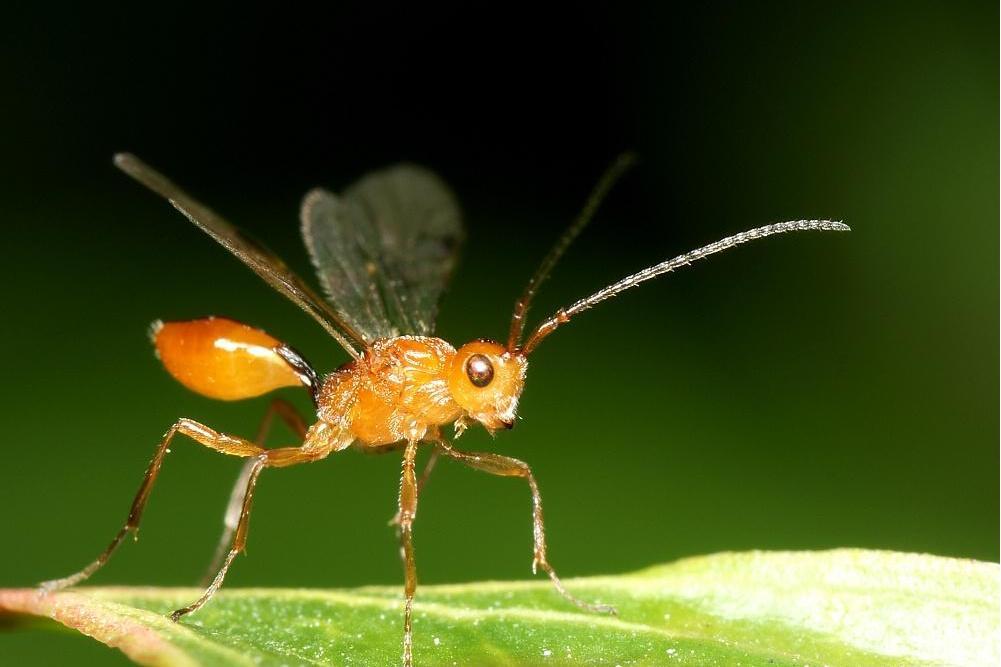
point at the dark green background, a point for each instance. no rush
(807, 392)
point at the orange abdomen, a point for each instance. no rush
(222, 358)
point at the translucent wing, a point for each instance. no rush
(262, 261)
(384, 249)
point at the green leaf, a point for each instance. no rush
(844, 607)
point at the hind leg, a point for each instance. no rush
(288, 414)
(197, 432)
(270, 458)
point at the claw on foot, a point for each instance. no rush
(594, 607)
(53, 585)
(47, 587)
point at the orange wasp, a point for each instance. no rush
(383, 251)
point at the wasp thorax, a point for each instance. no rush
(486, 380)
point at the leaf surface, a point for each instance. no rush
(843, 607)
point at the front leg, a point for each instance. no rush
(505, 466)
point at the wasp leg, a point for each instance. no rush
(198, 432)
(270, 458)
(288, 414)
(421, 482)
(239, 540)
(408, 510)
(505, 466)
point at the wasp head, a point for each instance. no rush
(486, 380)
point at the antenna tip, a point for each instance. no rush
(127, 162)
(626, 159)
(827, 225)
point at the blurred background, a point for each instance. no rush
(805, 392)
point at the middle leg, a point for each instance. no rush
(408, 510)
(421, 482)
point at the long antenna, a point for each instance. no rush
(521, 306)
(563, 315)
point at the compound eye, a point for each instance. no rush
(479, 370)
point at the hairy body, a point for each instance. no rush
(383, 252)
(395, 393)
(400, 389)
